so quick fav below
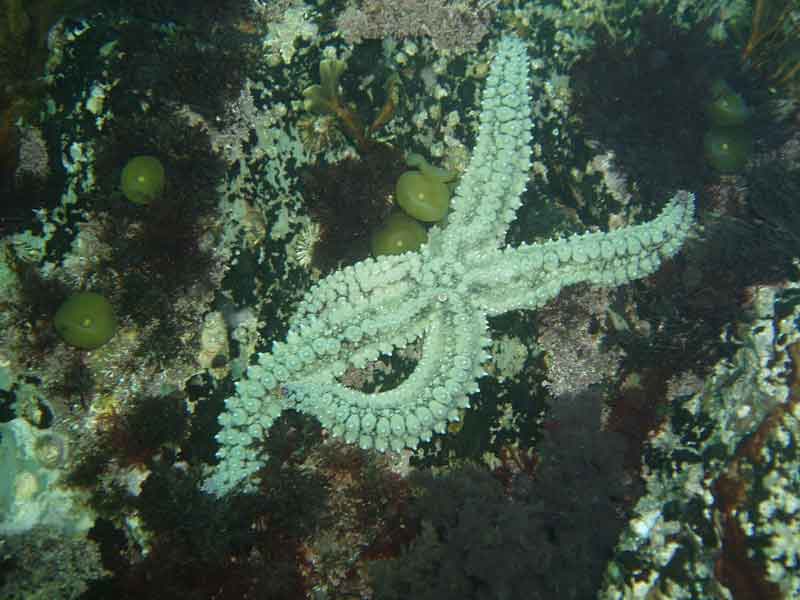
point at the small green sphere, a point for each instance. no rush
(423, 197)
(86, 320)
(399, 233)
(728, 148)
(727, 108)
(143, 179)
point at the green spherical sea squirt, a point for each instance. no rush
(399, 233)
(143, 179)
(424, 194)
(728, 142)
(728, 148)
(727, 107)
(86, 320)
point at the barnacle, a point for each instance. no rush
(304, 243)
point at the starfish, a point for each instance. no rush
(442, 294)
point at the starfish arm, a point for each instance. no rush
(343, 309)
(424, 402)
(488, 194)
(346, 321)
(373, 305)
(530, 276)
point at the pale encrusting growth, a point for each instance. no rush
(454, 25)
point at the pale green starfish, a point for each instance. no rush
(442, 294)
